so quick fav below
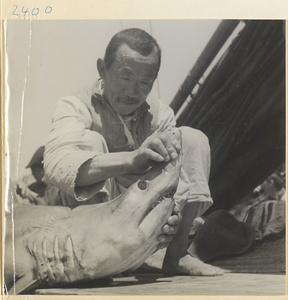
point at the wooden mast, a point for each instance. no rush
(220, 36)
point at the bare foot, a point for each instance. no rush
(189, 265)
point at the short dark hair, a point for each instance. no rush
(137, 39)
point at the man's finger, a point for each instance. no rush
(176, 211)
(167, 229)
(40, 201)
(162, 246)
(152, 155)
(158, 146)
(174, 220)
(171, 150)
(33, 197)
(164, 238)
(175, 140)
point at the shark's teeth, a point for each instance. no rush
(163, 197)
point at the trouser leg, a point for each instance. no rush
(195, 168)
(192, 196)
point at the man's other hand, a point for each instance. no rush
(170, 229)
(158, 147)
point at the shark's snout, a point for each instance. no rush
(156, 188)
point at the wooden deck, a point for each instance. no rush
(157, 284)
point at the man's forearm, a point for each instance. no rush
(156, 148)
(104, 166)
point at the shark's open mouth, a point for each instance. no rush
(144, 184)
(166, 196)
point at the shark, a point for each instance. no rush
(52, 245)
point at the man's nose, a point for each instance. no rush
(133, 90)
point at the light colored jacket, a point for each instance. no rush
(84, 126)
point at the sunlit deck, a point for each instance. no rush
(157, 284)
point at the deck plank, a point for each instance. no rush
(157, 284)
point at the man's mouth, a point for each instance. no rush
(130, 101)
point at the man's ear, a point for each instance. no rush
(101, 67)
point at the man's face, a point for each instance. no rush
(129, 79)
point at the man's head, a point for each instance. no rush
(129, 69)
(136, 39)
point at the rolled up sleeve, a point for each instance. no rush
(70, 144)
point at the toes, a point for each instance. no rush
(222, 271)
(189, 265)
(208, 270)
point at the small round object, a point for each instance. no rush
(143, 184)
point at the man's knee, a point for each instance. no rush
(194, 138)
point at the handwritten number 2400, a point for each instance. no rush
(34, 11)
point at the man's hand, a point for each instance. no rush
(23, 191)
(170, 229)
(163, 146)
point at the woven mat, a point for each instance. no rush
(266, 256)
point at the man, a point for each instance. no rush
(33, 193)
(106, 137)
(39, 192)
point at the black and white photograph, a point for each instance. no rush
(145, 157)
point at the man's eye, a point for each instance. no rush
(145, 83)
(125, 78)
